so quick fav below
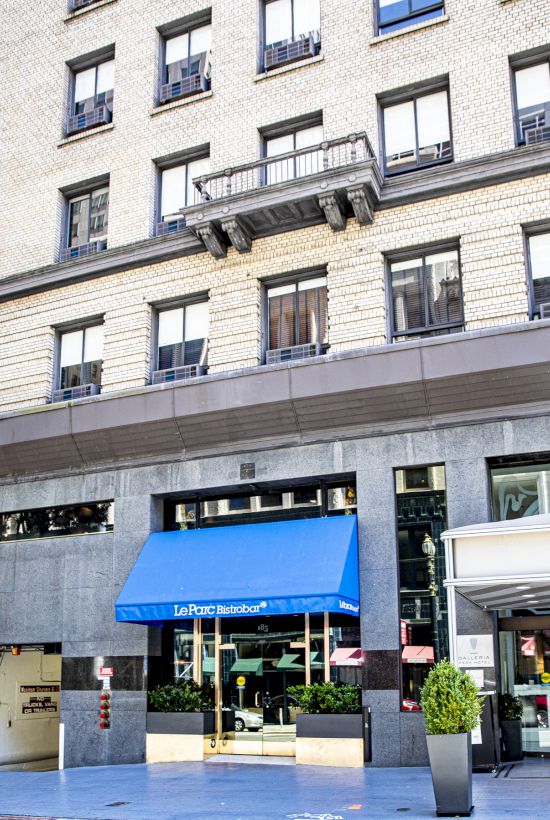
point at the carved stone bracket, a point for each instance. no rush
(239, 236)
(333, 213)
(361, 204)
(212, 238)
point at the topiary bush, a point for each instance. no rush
(181, 696)
(327, 698)
(450, 701)
(510, 707)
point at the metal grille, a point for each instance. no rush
(80, 392)
(79, 122)
(182, 88)
(290, 50)
(174, 374)
(315, 159)
(290, 354)
(165, 228)
(545, 310)
(536, 135)
(77, 251)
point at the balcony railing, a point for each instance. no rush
(325, 156)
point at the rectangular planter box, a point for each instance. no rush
(179, 736)
(330, 740)
(177, 723)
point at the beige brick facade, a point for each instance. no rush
(471, 45)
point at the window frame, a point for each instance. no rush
(287, 128)
(518, 64)
(60, 331)
(174, 304)
(395, 337)
(412, 94)
(168, 31)
(408, 19)
(162, 164)
(266, 3)
(95, 66)
(72, 196)
(534, 229)
(290, 279)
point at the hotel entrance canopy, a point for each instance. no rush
(279, 568)
(501, 565)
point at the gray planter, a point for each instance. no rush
(451, 765)
(511, 740)
(346, 726)
(181, 723)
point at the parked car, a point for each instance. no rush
(246, 720)
(410, 705)
(273, 706)
(541, 703)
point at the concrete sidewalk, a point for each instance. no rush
(239, 791)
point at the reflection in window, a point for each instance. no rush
(421, 518)
(395, 14)
(533, 103)
(183, 336)
(539, 258)
(51, 522)
(426, 295)
(88, 219)
(183, 651)
(81, 356)
(417, 132)
(520, 491)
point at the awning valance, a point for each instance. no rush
(278, 568)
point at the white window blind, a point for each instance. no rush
(307, 16)
(308, 284)
(177, 48)
(195, 169)
(278, 21)
(173, 191)
(105, 76)
(170, 327)
(533, 85)
(399, 129)
(93, 343)
(309, 136)
(196, 321)
(201, 40)
(279, 145)
(84, 84)
(433, 119)
(539, 251)
(71, 348)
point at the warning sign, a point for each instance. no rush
(38, 700)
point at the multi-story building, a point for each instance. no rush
(266, 262)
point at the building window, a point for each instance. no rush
(539, 265)
(186, 63)
(177, 191)
(520, 490)
(417, 132)
(80, 363)
(182, 344)
(87, 219)
(92, 97)
(51, 522)
(297, 140)
(396, 14)
(297, 319)
(532, 87)
(426, 295)
(421, 518)
(291, 31)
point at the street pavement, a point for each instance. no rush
(250, 791)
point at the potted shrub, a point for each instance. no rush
(180, 715)
(329, 726)
(510, 711)
(452, 709)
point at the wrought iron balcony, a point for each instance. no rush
(326, 182)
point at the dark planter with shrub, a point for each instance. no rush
(180, 722)
(510, 710)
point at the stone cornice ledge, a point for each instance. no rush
(456, 177)
(138, 254)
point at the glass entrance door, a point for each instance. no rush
(525, 662)
(259, 659)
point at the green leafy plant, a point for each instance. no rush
(450, 701)
(327, 698)
(181, 696)
(510, 707)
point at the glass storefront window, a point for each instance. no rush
(345, 657)
(52, 522)
(317, 647)
(520, 491)
(342, 499)
(208, 651)
(421, 518)
(183, 651)
(186, 516)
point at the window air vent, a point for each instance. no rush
(545, 310)
(174, 374)
(100, 115)
(290, 354)
(288, 50)
(165, 228)
(184, 87)
(536, 135)
(77, 251)
(80, 392)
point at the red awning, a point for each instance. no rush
(418, 654)
(346, 657)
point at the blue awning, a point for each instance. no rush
(280, 568)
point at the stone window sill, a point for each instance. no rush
(90, 132)
(284, 69)
(74, 15)
(437, 21)
(205, 95)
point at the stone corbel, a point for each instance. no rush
(212, 238)
(237, 233)
(360, 204)
(333, 213)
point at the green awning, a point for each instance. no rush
(208, 666)
(290, 662)
(252, 666)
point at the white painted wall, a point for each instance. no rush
(28, 735)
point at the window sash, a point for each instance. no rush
(417, 132)
(297, 313)
(183, 336)
(539, 262)
(88, 217)
(293, 167)
(81, 357)
(427, 288)
(404, 10)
